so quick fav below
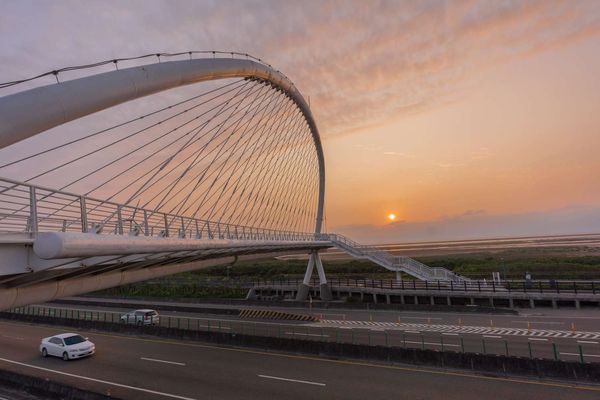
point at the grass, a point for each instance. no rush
(210, 282)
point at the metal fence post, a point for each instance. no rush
(423, 340)
(506, 347)
(462, 345)
(555, 351)
(119, 221)
(483, 346)
(581, 354)
(33, 210)
(530, 351)
(83, 210)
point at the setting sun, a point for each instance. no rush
(392, 217)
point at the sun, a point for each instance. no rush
(392, 217)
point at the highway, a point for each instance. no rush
(140, 368)
(548, 334)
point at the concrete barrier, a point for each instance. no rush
(46, 388)
(478, 363)
(192, 306)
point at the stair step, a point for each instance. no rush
(393, 263)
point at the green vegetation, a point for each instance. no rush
(166, 290)
(481, 265)
(223, 281)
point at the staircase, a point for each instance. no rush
(391, 262)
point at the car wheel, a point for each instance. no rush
(66, 356)
(44, 352)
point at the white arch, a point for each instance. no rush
(30, 112)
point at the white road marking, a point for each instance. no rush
(291, 380)
(537, 339)
(586, 342)
(411, 327)
(305, 334)
(585, 355)
(162, 361)
(427, 318)
(174, 396)
(493, 337)
(449, 334)
(538, 322)
(434, 344)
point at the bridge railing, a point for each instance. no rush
(480, 286)
(26, 208)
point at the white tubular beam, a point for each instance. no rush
(30, 112)
(48, 291)
(309, 269)
(320, 270)
(55, 245)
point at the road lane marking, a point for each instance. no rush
(87, 378)
(577, 354)
(449, 334)
(492, 336)
(427, 318)
(537, 339)
(162, 361)
(586, 342)
(344, 362)
(433, 344)
(538, 322)
(305, 334)
(412, 331)
(291, 380)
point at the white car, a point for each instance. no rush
(67, 346)
(141, 317)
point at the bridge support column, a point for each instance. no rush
(324, 286)
(398, 276)
(304, 287)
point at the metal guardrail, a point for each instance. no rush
(26, 208)
(472, 286)
(388, 338)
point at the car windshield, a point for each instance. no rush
(74, 340)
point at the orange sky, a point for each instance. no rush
(465, 118)
(523, 136)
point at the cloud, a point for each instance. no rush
(478, 224)
(361, 63)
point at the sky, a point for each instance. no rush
(465, 119)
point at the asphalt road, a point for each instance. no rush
(546, 334)
(139, 368)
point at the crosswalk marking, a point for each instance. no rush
(458, 329)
